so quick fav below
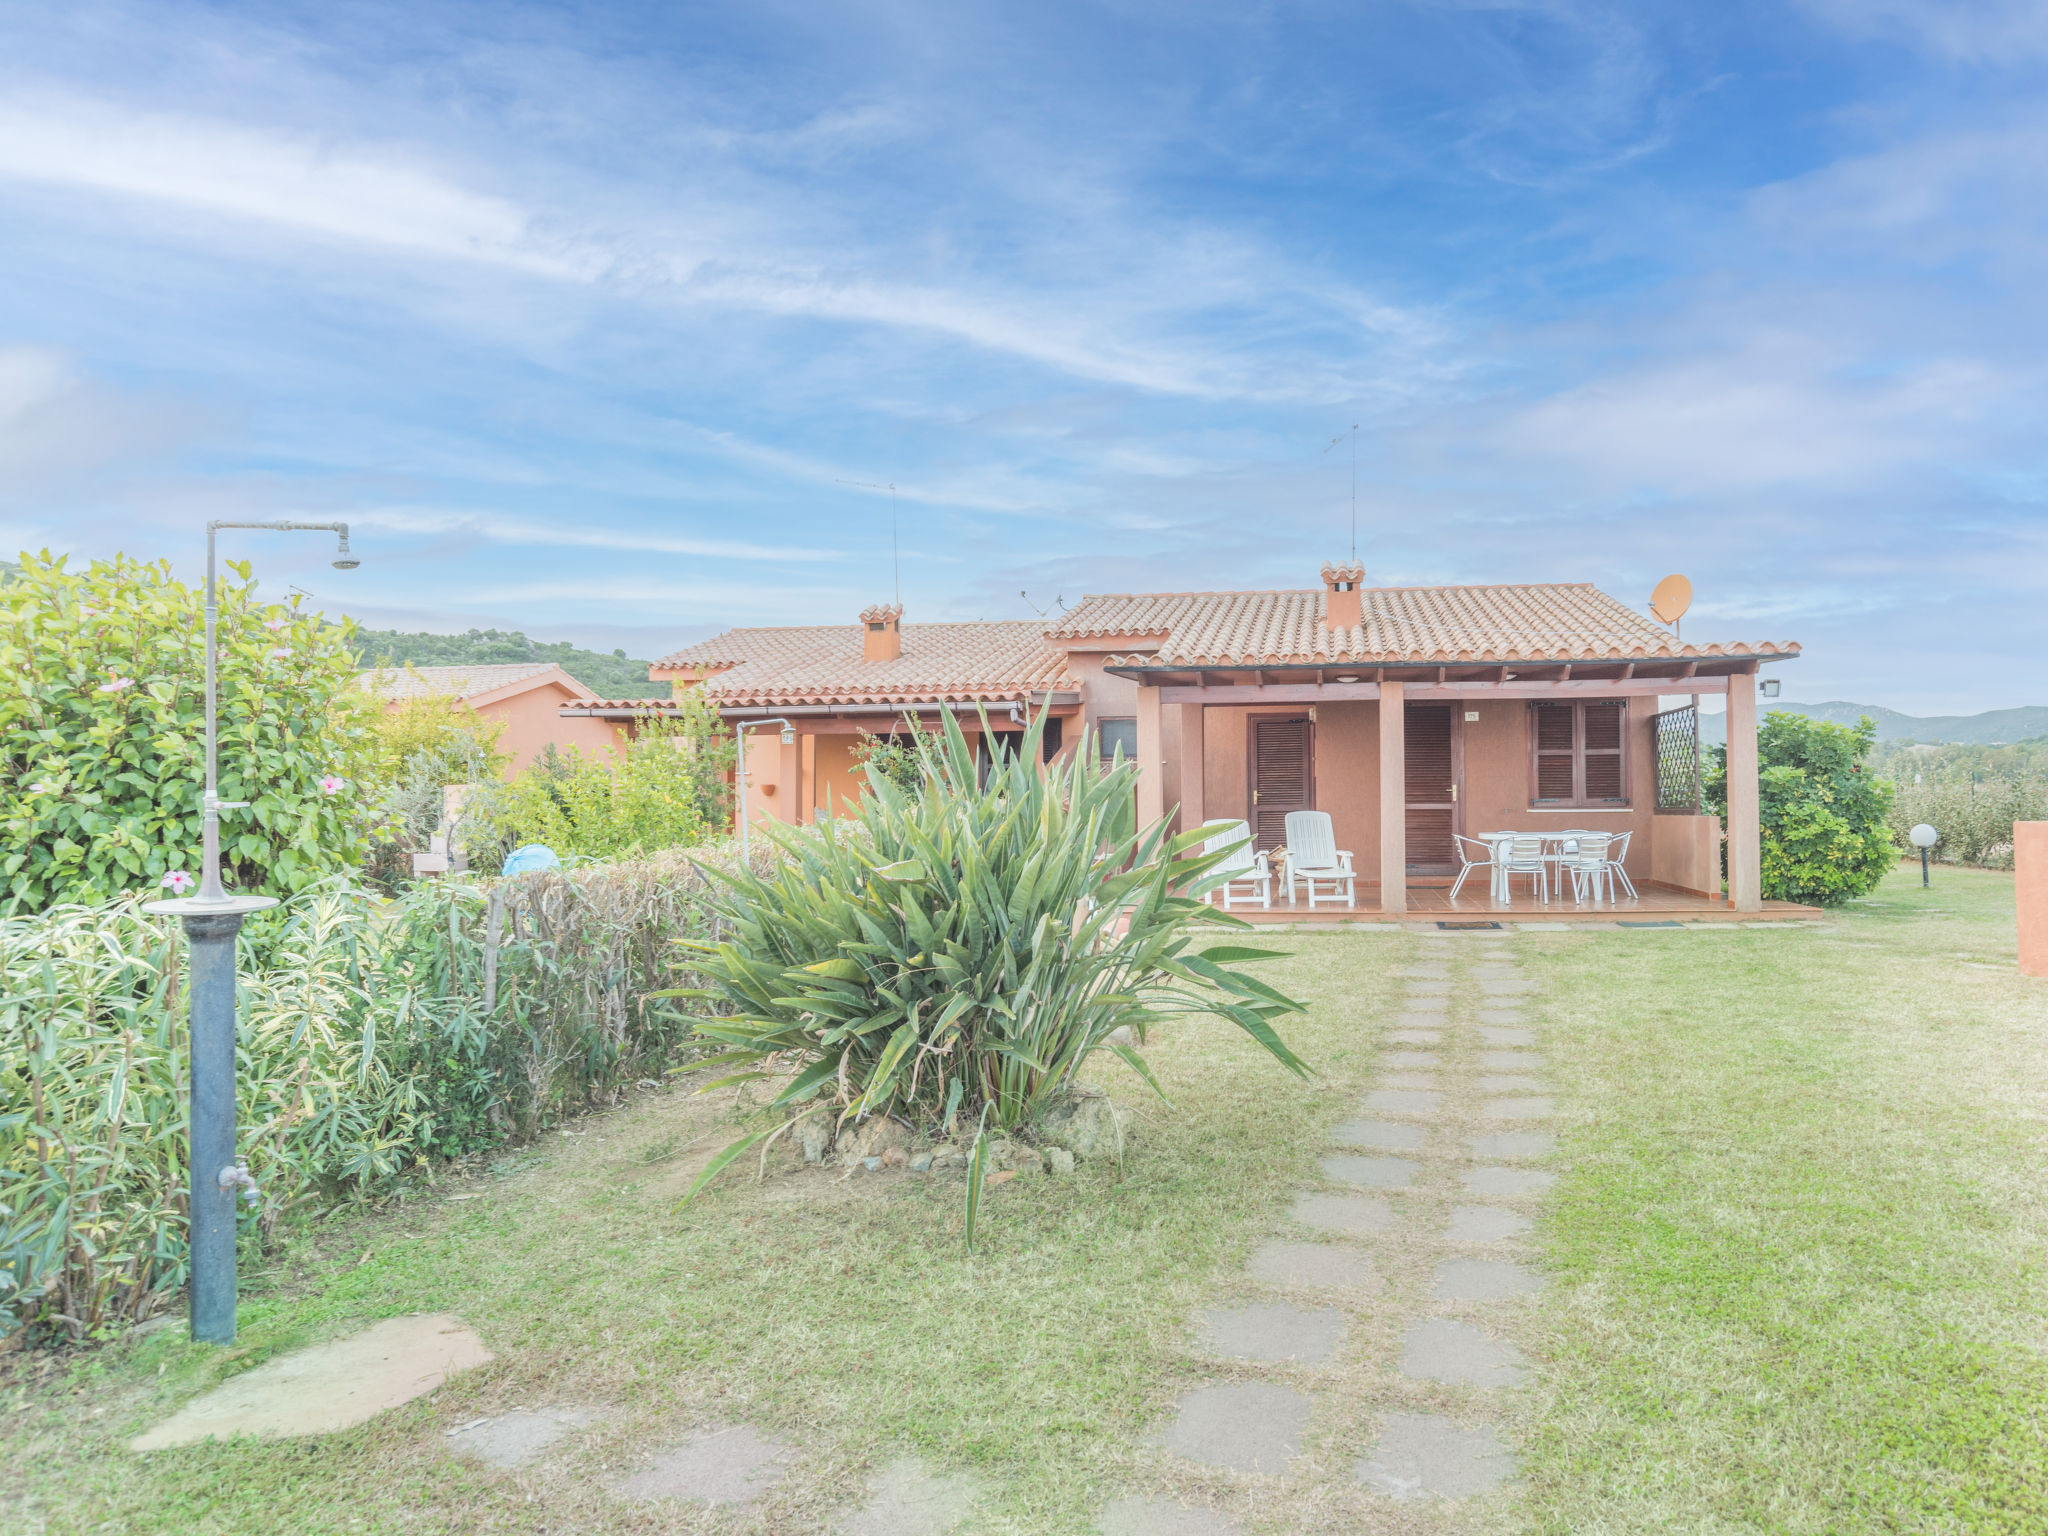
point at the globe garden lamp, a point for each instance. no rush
(212, 919)
(1924, 837)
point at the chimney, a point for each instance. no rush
(1343, 607)
(882, 637)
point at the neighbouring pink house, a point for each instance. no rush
(526, 696)
(1410, 715)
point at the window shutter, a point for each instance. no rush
(1556, 738)
(1602, 728)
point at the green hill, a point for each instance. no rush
(617, 676)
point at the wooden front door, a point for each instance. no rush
(1282, 776)
(1433, 771)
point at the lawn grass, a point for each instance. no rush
(1797, 1257)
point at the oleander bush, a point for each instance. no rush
(102, 734)
(1825, 816)
(956, 954)
(375, 1039)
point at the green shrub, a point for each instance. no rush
(1974, 819)
(666, 788)
(370, 1043)
(1826, 836)
(102, 712)
(962, 951)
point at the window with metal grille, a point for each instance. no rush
(1579, 753)
(1118, 735)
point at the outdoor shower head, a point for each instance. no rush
(343, 560)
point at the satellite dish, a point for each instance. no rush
(1672, 597)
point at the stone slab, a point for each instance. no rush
(1495, 1035)
(1408, 1080)
(1420, 1018)
(1506, 1183)
(1371, 1172)
(1489, 970)
(1437, 988)
(1343, 1213)
(1273, 1330)
(1247, 1426)
(1504, 986)
(1539, 1106)
(910, 1500)
(1410, 1060)
(1514, 1144)
(1436, 972)
(1512, 1061)
(1485, 1224)
(727, 1464)
(1427, 1456)
(1402, 1101)
(513, 1439)
(1509, 1082)
(329, 1386)
(1164, 1517)
(1311, 1264)
(1386, 1135)
(1414, 1036)
(1458, 1355)
(1509, 1016)
(1483, 1280)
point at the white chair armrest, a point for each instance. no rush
(1264, 867)
(1344, 860)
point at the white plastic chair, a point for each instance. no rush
(1585, 860)
(1250, 874)
(1467, 863)
(1314, 859)
(1523, 854)
(1617, 856)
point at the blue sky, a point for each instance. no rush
(586, 315)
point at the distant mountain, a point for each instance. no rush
(617, 676)
(1994, 727)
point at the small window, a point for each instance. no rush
(1579, 754)
(1118, 736)
(1049, 743)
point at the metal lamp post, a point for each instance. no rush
(212, 919)
(1924, 837)
(740, 729)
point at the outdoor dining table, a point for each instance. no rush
(1553, 850)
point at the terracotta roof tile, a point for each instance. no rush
(452, 682)
(1428, 624)
(821, 664)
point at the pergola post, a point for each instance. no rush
(1192, 812)
(1745, 824)
(1393, 798)
(1151, 759)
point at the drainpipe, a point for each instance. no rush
(740, 730)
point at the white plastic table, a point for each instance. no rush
(1553, 849)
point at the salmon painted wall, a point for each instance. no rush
(1345, 767)
(1496, 789)
(531, 721)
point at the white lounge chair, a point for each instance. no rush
(1250, 872)
(1314, 859)
(1467, 863)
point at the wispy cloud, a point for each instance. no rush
(502, 529)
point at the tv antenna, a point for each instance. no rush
(1059, 602)
(895, 560)
(1352, 433)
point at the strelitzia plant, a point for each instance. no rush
(962, 949)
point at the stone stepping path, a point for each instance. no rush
(730, 1464)
(1274, 1330)
(910, 1500)
(1411, 1140)
(1250, 1427)
(513, 1439)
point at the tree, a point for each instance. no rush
(1824, 814)
(102, 726)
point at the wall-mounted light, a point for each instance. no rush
(1770, 687)
(1351, 679)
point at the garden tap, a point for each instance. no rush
(238, 1175)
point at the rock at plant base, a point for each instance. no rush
(328, 1387)
(724, 1465)
(1061, 1160)
(1244, 1427)
(1088, 1125)
(1427, 1456)
(945, 1158)
(1163, 1517)
(513, 1439)
(908, 1500)
(1016, 1157)
(922, 1163)
(873, 1138)
(896, 1157)
(814, 1137)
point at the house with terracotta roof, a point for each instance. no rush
(525, 697)
(1412, 715)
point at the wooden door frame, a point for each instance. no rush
(1457, 707)
(1251, 758)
